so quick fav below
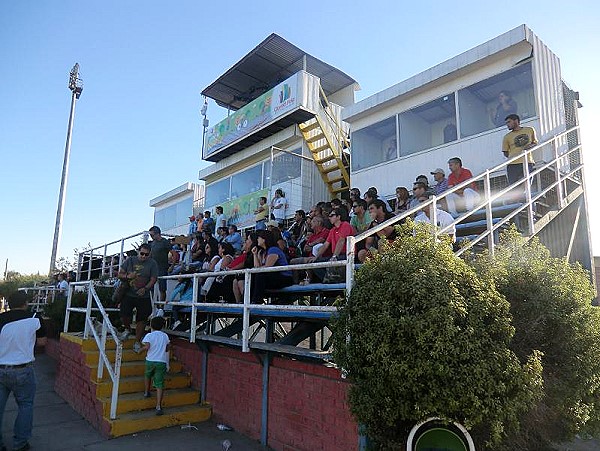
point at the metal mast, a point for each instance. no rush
(76, 87)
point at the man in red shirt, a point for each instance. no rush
(466, 197)
(336, 240)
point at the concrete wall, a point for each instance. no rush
(307, 402)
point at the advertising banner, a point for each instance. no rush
(240, 211)
(261, 111)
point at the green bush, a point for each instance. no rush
(428, 337)
(56, 311)
(550, 301)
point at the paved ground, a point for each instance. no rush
(57, 427)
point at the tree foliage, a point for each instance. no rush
(15, 280)
(428, 337)
(550, 302)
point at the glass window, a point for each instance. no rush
(184, 211)
(246, 182)
(484, 105)
(285, 167)
(173, 215)
(217, 193)
(428, 125)
(374, 144)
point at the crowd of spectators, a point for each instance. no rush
(316, 235)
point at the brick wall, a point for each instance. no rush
(73, 384)
(307, 401)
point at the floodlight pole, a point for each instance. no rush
(76, 88)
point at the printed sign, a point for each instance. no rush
(253, 116)
(240, 211)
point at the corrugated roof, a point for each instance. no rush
(268, 64)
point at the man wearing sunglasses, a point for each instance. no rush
(141, 272)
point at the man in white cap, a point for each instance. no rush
(441, 184)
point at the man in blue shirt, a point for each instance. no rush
(234, 238)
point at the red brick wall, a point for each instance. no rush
(73, 384)
(307, 402)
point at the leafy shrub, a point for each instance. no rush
(550, 301)
(56, 311)
(428, 337)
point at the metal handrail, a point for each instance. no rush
(246, 305)
(113, 371)
(43, 293)
(490, 198)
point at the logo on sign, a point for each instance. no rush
(285, 98)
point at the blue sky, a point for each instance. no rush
(137, 130)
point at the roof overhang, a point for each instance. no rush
(268, 64)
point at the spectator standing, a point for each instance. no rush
(208, 223)
(62, 286)
(20, 331)
(261, 213)
(160, 248)
(278, 206)
(193, 227)
(142, 273)
(517, 141)
(467, 196)
(221, 219)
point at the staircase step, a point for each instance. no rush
(146, 420)
(320, 148)
(133, 402)
(309, 127)
(133, 384)
(315, 138)
(341, 178)
(325, 159)
(91, 357)
(329, 169)
(133, 368)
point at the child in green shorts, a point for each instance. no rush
(157, 360)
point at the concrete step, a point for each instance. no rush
(133, 368)
(134, 402)
(146, 420)
(133, 384)
(91, 357)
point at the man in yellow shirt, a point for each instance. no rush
(518, 140)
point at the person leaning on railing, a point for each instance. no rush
(243, 261)
(265, 255)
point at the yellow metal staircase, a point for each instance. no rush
(327, 140)
(134, 412)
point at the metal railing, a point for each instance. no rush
(102, 253)
(95, 305)
(247, 306)
(42, 296)
(559, 165)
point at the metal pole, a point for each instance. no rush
(76, 89)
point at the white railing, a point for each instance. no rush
(247, 306)
(42, 296)
(559, 166)
(85, 268)
(95, 305)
